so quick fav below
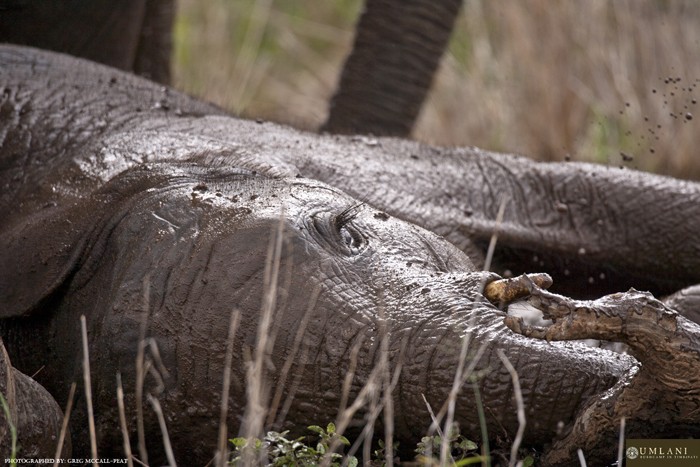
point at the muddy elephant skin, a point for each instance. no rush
(153, 215)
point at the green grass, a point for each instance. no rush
(13, 430)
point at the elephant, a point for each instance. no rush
(133, 35)
(328, 266)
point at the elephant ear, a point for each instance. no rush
(43, 249)
(41, 253)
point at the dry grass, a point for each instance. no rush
(545, 79)
(262, 58)
(64, 425)
(88, 390)
(122, 422)
(522, 422)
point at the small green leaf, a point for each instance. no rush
(468, 445)
(352, 461)
(238, 442)
(330, 429)
(316, 429)
(528, 461)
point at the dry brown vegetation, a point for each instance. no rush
(611, 82)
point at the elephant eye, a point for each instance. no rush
(352, 238)
(348, 233)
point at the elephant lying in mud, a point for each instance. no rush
(342, 260)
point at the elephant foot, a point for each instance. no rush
(658, 399)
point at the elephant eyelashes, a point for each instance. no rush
(349, 234)
(347, 215)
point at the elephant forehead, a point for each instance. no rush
(194, 201)
(207, 206)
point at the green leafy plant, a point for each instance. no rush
(379, 455)
(276, 450)
(462, 450)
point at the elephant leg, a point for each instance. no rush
(133, 36)
(155, 41)
(660, 396)
(398, 46)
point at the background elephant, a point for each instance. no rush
(593, 93)
(133, 35)
(381, 89)
(398, 46)
(120, 179)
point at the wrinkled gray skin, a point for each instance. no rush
(109, 180)
(397, 48)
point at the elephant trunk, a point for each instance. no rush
(555, 377)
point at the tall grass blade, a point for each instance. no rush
(64, 425)
(163, 429)
(122, 422)
(13, 430)
(88, 391)
(221, 453)
(520, 405)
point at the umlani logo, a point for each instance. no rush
(659, 452)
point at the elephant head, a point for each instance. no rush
(171, 249)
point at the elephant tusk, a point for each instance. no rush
(504, 291)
